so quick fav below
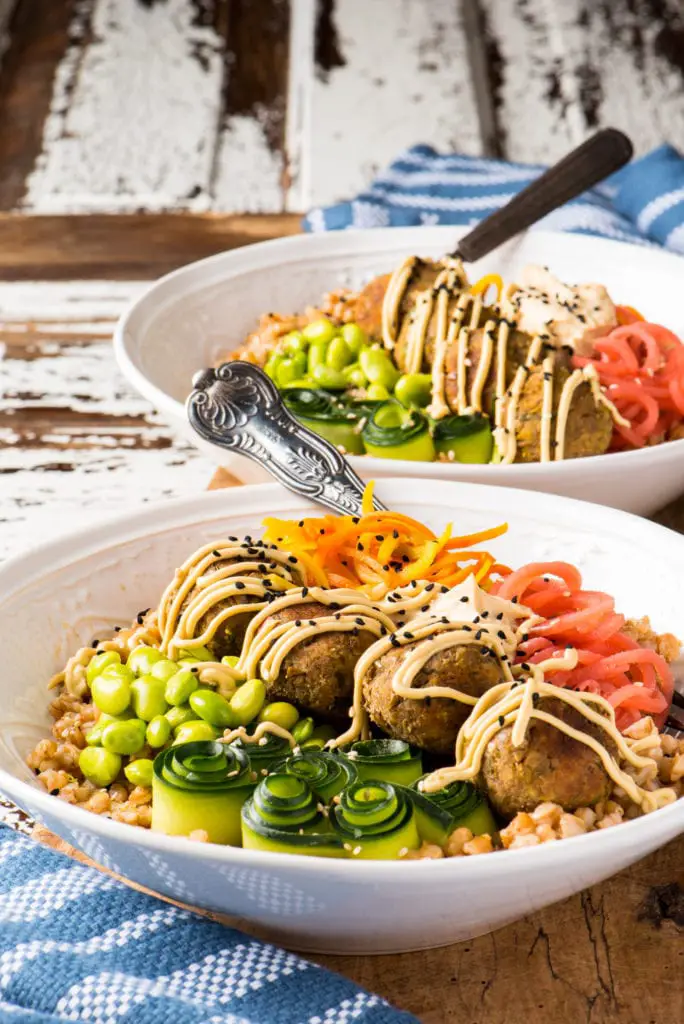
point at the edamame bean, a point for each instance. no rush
(314, 743)
(213, 708)
(339, 354)
(354, 375)
(323, 732)
(280, 713)
(100, 662)
(300, 363)
(179, 716)
(164, 669)
(303, 730)
(354, 336)
(180, 686)
(123, 737)
(111, 693)
(414, 389)
(158, 732)
(94, 735)
(198, 653)
(319, 330)
(148, 697)
(377, 392)
(99, 766)
(286, 373)
(295, 342)
(247, 701)
(272, 364)
(193, 731)
(317, 354)
(140, 772)
(142, 659)
(327, 378)
(303, 382)
(378, 367)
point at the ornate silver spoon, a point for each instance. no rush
(239, 408)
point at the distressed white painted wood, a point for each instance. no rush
(99, 449)
(405, 79)
(570, 67)
(134, 112)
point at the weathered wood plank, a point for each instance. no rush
(124, 246)
(561, 70)
(76, 442)
(33, 37)
(368, 78)
(134, 111)
(250, 172)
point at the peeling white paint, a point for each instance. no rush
(406, 79)
(248, 174)
(83, 470)
(562, 59)
(134, 113)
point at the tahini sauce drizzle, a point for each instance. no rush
(450, 330)
(512, 702)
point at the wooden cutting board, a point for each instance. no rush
(610, 955)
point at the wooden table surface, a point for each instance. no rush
(140, 134)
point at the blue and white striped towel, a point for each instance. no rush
(642, 203)
(77, 945)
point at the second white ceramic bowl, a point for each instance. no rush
(65, 592)
(186, 321)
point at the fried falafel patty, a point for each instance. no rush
(550, 766)
(318, 674)
(432, 723)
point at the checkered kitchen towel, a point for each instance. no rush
(642, 203)
(77, 945)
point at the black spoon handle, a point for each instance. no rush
(601, 155)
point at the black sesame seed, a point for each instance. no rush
(500, 615)
(514, 600)
(95, 643)
(464, 600)
(485, 615)
(414, 584)
(479, 634)
(425, 608)
(379, 536)
(359, 546)
(232, 538)
(445, 590)
(383, 630)
(395, 534)
(359, 621)
(409, 636)
(337, 615)
(334, 605)
(355, 631)
(525, 666)
(312, 622)
(467, 629)
(429, 587)
(292, 560)
(502, 721)
(355, 520)
(216, 553)
(385, 568)
(476, 619)
(444, 620)
(321, 532)
(305, 591)
(501, 634)
(193, 668)
(239, 585)
(298, 622)
(54, 792)
(300, 523)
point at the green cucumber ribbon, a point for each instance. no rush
(386, 760)
(265, 753)
(326, 773)
(375, 821)
(283, 815)
(201, 785)
(325, 415)
(458, 805)
(469, 437)
(393, 432)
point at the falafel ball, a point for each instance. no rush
(549, 766)
(589, 426)
(433, 723)
(318, 674)
(228, 638)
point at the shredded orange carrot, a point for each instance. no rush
(482, 286)
(383, 550)
(628, 315)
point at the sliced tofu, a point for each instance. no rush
(572, 315)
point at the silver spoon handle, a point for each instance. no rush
(603, 154)
(239, 408)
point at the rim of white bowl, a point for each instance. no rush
(341, 241)
(180, 510)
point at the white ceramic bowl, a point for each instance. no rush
(62, 594)
(187, 319)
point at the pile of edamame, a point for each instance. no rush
(322, 355)
(151, 701)
(349, 391)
